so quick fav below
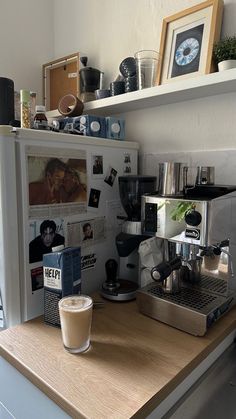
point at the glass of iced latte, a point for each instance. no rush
(76, 318)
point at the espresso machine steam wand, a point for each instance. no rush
(186, 265)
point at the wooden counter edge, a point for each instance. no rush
(178, 379)
(146, 409)
(49, 391)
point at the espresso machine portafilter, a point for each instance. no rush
(182, 291)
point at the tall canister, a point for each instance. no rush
(6, 101)
(172, 178)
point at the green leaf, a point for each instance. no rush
(178, 213)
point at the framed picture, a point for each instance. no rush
(187, 41)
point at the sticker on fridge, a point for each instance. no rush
(44, 235)
(57, 181)
(97, 165)
(94, 198)
(36, 278)
(127, 163)
(110, 176)
(86, 233)
(88, 261)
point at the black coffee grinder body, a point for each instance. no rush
(123, 279)
(90, 80)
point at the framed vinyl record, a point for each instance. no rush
(187, 41)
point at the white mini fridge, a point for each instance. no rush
(56, 189)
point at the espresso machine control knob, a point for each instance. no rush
(193, 218)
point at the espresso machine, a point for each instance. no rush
(190, 227)
(122, 279)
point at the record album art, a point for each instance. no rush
(187, 51)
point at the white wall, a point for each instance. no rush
(26, 41)
(110, 30)
(32, 33)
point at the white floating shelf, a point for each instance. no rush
(178, 91)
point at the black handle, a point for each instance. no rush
(164, 269)
(84, 60)
(111, 271)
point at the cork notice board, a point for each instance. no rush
(60, 77)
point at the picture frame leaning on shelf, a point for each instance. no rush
(187, 39)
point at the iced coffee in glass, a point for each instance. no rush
(76, 318)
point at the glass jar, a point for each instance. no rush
(40, 119)
(17, 106)
(25, 108)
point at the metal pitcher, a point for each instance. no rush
(172, 178)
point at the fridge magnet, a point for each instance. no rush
(94, 197)
(88, 261)
(187, 41)
(110, 177)
(44, 235)
(97, 166)
(57, 180)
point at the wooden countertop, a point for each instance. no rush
(133, 364)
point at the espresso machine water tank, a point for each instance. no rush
(6, 101)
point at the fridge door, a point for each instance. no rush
(10, 312)
(87, 218)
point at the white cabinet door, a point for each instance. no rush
(4, 412)
(20, 399)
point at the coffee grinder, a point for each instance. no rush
(121, 284)
(90, 80)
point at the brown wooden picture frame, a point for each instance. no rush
(60, 77)
(208, 19)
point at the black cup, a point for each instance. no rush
(128, 67)
(117, 88)
(130, 84)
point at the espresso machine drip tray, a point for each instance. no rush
(216, 285)
(189, 298)
(194, 309)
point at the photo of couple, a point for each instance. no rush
(53, 180)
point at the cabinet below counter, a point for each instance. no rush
(133, 365)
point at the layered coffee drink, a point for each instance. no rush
(76, 318)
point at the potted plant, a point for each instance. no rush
(224, 53)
